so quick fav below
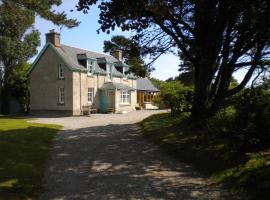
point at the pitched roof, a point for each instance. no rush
(115, 86)
(73, 51)
(145, 84)
(69, 56)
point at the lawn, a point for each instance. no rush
(217, 157)
(24, 149)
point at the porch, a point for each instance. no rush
(145, 99)
(116, 97)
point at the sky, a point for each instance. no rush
(85, 36)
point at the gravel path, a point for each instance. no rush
(104, 157)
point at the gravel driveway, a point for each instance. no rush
(104, 157)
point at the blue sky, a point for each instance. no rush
(85, 36)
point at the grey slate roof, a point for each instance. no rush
(73, 51)
(70, 55)
(115, 86)
(145, 84)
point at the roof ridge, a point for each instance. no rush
(88, 50)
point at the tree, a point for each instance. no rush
(217, 37)
(18, 87)
(18, 38)
(131, 53)
(175, 96)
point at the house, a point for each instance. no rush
(65, 79)
(145, 93)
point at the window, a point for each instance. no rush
(60, 71)
(125, 97)
(90, 95)
(109, 71)
(61, 95)
(90, 66)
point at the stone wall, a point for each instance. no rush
(44, 84)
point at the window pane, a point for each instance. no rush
(125, 96)
(90, 95)
(61, 97)
(60, 71)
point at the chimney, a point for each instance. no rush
(53, 38)
(118, 54)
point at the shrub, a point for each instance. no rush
(253, 114)
(175, 96)
(247, 120)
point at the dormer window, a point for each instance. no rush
(60, 71)
(109, 70)
(90, 67)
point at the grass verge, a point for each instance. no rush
(24, 149)
(215, 156)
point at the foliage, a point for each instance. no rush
(156, 82)
(239, 38)
(24, 149)
(18, 86)
(175, 96)
(19, 41)
(215, 155)
(247, 121)
(45, 9)
(253, 115)
(131, 53)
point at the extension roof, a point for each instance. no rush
(144, 84)
(115, 86)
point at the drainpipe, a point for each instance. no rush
(97, 81)
(81, 92)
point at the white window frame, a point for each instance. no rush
(60, 71)
(90, 95)
(125, 97)
(61, 95)
(90, 67)
(109, 69)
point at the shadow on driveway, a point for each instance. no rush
(116, 162)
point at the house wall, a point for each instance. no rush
(44, 87)
(126, 107)
(96, 81)
(44, 84)
(80, 90)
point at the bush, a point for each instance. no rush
(247, 120)
(175, 96)
(253, 114)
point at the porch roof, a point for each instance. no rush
(116, 86)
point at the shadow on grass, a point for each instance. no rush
(23, 153)
(218, 157)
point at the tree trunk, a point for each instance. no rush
(199, 109)
(203, 74)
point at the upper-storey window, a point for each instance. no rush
(109, 69)
(60, 71)
(90, 66)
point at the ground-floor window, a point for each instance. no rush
(61, 95)
(90, 95)
(125, 97)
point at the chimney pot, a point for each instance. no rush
(53, 38)
(118, 54)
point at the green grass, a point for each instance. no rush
(218, 157)
(24, 149)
